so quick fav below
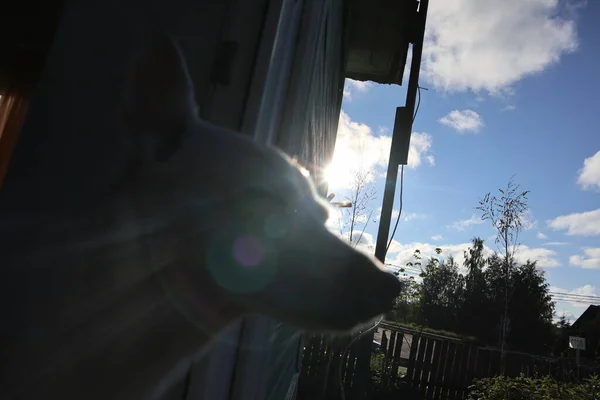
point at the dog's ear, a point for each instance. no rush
(159, 97)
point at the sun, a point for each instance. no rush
(338, 173)
(335, 175)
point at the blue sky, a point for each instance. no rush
(512, 89)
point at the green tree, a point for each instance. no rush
(442, 294)
(561, 336)
(406, 307)
(530, 311)
(495, 281)
(506, 212)
(476, 311)
(474, 304)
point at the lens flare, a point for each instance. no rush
(248, 251)
(241, 263)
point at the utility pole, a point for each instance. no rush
(398, 156)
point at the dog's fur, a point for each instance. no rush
(206, 226)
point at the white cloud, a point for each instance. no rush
(365, 242)
(383, 130)
(356, 149)
(410, 216)
(540, 235)
(589, 175)
(333, 222)
(405, 252)
(590, 259)
(352, 87)
(362, 241)
(582, 224)
(406, 217)
(586, 290)
(555, 244)
(430, 160)
(487, 45)
(463, 224)
(569, 316)
(545, 257)
(527, 220)
(359, 149)
(394, 214)
(437, 237)
(420, 144)
(463, 121)
(361, 218)
(338, 220)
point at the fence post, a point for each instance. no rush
(399, 342)
(362, 373)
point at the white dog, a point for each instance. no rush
(206, 226)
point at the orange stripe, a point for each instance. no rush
(13, 108)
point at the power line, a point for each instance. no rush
(562, 296)
(578, 301)
(592, 296)
(406, 268)
(557, 298)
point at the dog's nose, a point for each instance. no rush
(391, 286)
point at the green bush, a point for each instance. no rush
(538, 388)
(396, 389)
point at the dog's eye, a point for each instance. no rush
(264, 213)
(256, 205)
(261, 204)
(259, 198)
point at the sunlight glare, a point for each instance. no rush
(339, 172)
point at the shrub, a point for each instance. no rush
(537, 388)
(396, 389)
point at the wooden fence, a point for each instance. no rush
(437, 367)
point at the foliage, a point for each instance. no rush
(536, 388)
(395, 388)
(406, 308)
(506, 212)
(442, 294)
(530, 310)
(561, 335)
(472, 305)
(497, 299)
(478, 311)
